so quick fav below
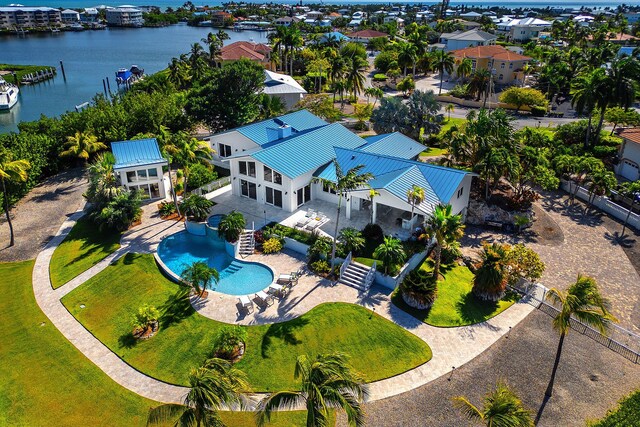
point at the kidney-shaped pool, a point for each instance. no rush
(237, 277)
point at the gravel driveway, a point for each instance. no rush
(38, 216)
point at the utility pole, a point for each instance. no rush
(443, 11)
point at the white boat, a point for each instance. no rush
(8, 95)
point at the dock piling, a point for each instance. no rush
(108, 85)
(64, 76)
(104, 85)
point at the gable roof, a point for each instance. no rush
(136, 153)
(275, 83)
(393, 144)
(398, 175)
(470, 35)
(333, 35)
(495, 52)
(368, 34)
(306, 152)
(631, 134)
(266, 131)
(242, 49)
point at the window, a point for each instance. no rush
(248, 168)
(502, 65)
(225, 150)
(248, 189)
(272, 176)
(131, 176)
(501, 76)
(153, 173)
(273, 196)
(304, 194)
(243, 168)
(511, 65)
(155, 190)
(460, 191)
(252, 169)
(327, 189)
(142, 174)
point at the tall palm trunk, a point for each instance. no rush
(6, 211)
(626, 220)
(600, 123)
(549, 391)
(586, 142)
(436, 265)
(173, 190)
(335, 234)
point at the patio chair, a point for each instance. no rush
(312, 225)
(277, 290)
(302, 222)
(310, 213)
(264, 297)
(246, 303)
(285, 278)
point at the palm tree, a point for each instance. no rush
(443, 62)
(327, 382)
(407, 55)
(103, 185)
(490, 280)
(199, 276)
(292, 40)
(445, 228)
(582, 301)
(464, 68)
(11, 171)
(390, 252)
(632, 192)
(351, 239)
(601, 182)
(344, 183)
(586, 94)
(231, 226)
(479, 84)
(415, 196)
(179, 73)
(449, 108)
(354, 77)
(188, 151)
(502, 408)
(212, 387)
(82, 145)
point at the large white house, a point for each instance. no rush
(139, 166)
(279, 161)
(124, 16)
(17, 16)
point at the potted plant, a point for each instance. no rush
(196, 208)
(231, 226)
(229, 343)
(145, 322)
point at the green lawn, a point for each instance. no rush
(626, 414)
(379, 348)
(434, 152)
(47, 382)
(21, 70)
(84, 247)
(455, 305)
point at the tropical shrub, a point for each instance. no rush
(460, 91)
(491, 277)
(523, 263)
(384, 60)
(319, 249)
(258, 236)
(538, 111)
(450, 253)
(372, 232)
(145, 320)
(320, 267)
(121, 212)
(231, 226)
(167, 209)
(351, 239)
(380, 77)
(520, 96)
(272, 246)
(391, 253)
(419, 289)
(196, 207)
(228, 342)
(199, 277)
(200, 175)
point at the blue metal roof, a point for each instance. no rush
(308, 151)
(136, 153)
(441, 181)
(334, 34)
(267, 131)
(626, 50)
(393, 144)
(400, 187)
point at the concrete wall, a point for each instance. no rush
(196, 228)
(393, 282)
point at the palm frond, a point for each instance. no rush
(163, 414)
(468, 409)
(283, 400)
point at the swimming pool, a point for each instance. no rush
(237, 277)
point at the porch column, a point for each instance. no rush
(348, 200)
(374, 207)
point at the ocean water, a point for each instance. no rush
(88, 58)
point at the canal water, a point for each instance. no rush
(89, 57)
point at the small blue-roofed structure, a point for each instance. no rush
(139, 166)
(333, 36)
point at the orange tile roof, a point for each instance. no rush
(368, 34)
(237, 50)
(631, 134)
(492, 51)
(617, 37)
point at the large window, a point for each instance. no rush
(248, 168)
(225, 150)
(272, 176)
(273, 196)
(304, 195)
(153, 173)
(248, 189)
(327, 189)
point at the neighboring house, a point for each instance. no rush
(364, 36)
(139, 167)
(463, 39)
(505, 65)
(619, 39)
(468, 25)
(525, 29)
(284, 87)
(333, 36)
(124, 16)
(276, 162)
(258, 52)
(471, 15)
(29, 17)
(70, 16)
(286, 21)
(219, 18)
(629, 164)
(90, 15)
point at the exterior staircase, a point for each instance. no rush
(247, 243)
(356, 275)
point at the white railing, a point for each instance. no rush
(346, 263)
(368, 280)
(212, 186)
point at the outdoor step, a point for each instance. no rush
(354, 276)
(359, 266)
(353, 285)
(358, 270)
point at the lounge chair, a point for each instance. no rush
(302, 222)
(311, 213)
(264, 297)
(277, 290)
(246, 303)
(288, 278)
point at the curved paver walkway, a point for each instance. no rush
(452, 347)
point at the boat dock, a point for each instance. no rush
(38, 76)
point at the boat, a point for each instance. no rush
(77, 27)
(8, 95)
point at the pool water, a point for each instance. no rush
(237, 277)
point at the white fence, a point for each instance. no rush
(603, 203)
(617, 339)
(212, 186)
